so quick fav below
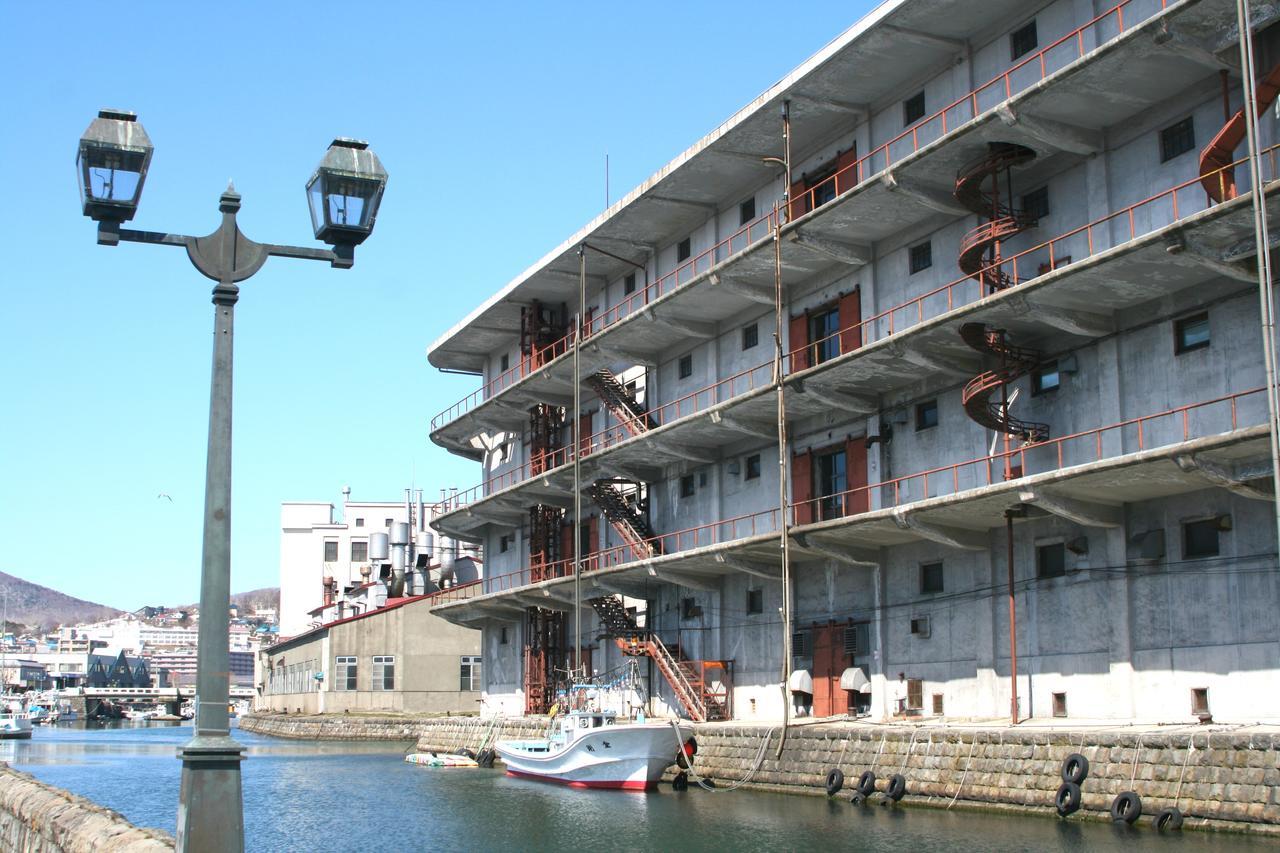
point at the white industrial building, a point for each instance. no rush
(1008, 301)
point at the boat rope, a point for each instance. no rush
(880, 752)
(910, 748)
(967, 764)
(1136, 750)
(687, 765)
(1191, 747)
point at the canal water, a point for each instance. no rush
(303, 796)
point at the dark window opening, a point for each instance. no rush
(687, 487)
(750, 335)
(1191, 333)
(747, 211)
(504, 363)
(823, 186)
(629, 284)
(931, 578)
(800, 646)
(504, 542)
(503, 638)
(1045, 378)
(685, 368)
(689, 608)
(1200, 701)
(684, 249)
(913, 108)
(753, 467)
(359, 552)
(920, 257)
(331, 552)
(915, 694)
(926, 414)
(1059, 704)
(1051, 560)
(937, 704)
(828, 483)
(386, 522)
(1035, 204)
(1177, 139)
(755, 601)
(585, 544)
(824, 327)
(1023, 40)
(1200, 538)
(359, 522)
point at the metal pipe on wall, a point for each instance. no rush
(780, 390)
(1013, 621)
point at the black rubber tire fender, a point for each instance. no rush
(680, 782)
(835, 781)
(1075, 768)
(485, 757)
(1169, 819)
(897, 787)
(1127, 806)
(867, 783)
(692, 745)
(858, 798)
(468, 753)
(1067, 800)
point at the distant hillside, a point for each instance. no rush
(36, 606)
(254, 599)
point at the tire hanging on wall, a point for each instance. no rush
(1127, 806)
(858, 798)
(1067, 800)
(1168, 819)
(1075, 768)
(835, 781)
(897, 787)
(867, 783)
(485, 757)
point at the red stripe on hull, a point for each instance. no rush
(616, 786)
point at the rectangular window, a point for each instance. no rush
(926, 414)
(503, 637)
(687, 487)
(931, 578)
(470, 673)
(921, 257)
(747, 211)
(689, 608)
(829, 482)
(504, 542)
(504, 363)
(331, 552)
(629, 284)
(346, 676)
(1191, 333)
(937, 704)
(824, 327)
(1045, 378)
(1177, 139)
(750, 335)
(1059, 704)
(1051, 561)
(384, 672)
(755, 601)
(800, 645)
(920, 626)
(1200, 701)
(753, 467)
(857, 639)
(684, 249)
(913, 109)
(1023, 40)
(915, 694)
(1035, 204)
(359, 552)
(386, 522)
(822, 186)
(1200, 538)
(685, 368)
(359, 522)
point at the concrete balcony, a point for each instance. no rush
(1162, 249)
(1085, 477)
(1056, 103)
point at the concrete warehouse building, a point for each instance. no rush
(1022, 362)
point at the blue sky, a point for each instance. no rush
(493, 121)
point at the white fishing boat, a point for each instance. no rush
(14, 724)
(591, 749)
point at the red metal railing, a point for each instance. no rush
(1034, 68)
(1123, 226)
(1196, 420)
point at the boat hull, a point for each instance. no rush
(623, 757)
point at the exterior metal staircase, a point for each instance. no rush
(980, 248)
(1015, 362)
(627, 517)
(621, 403)
(1217, 175)
(684, 676)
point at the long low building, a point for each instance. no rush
(1008, 251)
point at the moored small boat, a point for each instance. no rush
(14, 725)
(434, 759)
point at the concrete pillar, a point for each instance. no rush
(1119, 604)
(986, 648)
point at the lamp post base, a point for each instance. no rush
(210, 811)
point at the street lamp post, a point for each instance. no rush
(344, 195)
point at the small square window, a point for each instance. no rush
(750, 335)
(685, 368)
(1200, 701)
(1059, 704)
(800, 644)
(753, 467)
(921, 257)
(1200, 538)
(1177, 139)
(1191, 333)
(913, 108)
(1035, 204)
(387, 522)
(931, 578)
(629, 284)
(687, 487)
(1023, 40)
(504, 543)
(689, 608)
(331, 552)
(755, 601)
(747, 211)
(359, 552)
(359, 522)
(1051, 560)
(1045, 378)
(926, 414)
(504, 363)
(684, 249)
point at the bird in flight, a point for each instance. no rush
(164, 495)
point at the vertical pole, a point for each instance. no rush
(210, 809)
(1013, 623)
(577, 453)
(786, 163)
(783, 522)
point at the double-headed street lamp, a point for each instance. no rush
(344, 195)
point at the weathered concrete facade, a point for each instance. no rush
(400, 658)
(1144, 570)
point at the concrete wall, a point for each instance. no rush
(38, 818)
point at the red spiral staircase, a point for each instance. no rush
(1015, 362)
(978, 188)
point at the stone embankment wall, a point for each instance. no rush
(1218, 779)
(37, 818)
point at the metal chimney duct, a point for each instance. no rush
(378, 547)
